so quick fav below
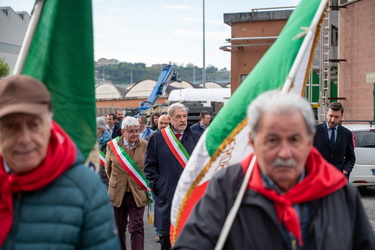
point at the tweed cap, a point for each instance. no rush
(23, 94)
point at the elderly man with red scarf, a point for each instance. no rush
(49, 199)
(294, 199)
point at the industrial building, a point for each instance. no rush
(13, 29)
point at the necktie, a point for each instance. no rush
(178, 136)
(129, 146)
(332, 139)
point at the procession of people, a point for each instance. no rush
(294, 196)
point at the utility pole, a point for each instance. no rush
(204, 49)
(131, 73)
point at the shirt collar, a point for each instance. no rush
(178, 133)
(328, 127)
(127, 143)
(270, 184)
(202, 126)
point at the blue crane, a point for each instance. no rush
(167, 74)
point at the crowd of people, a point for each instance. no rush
(147, 149)
(297, 197)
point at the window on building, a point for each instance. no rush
(243, 77)
(334, 36)
(5, 11)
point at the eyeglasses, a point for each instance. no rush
(132, 131)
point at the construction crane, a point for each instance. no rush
(167, 74)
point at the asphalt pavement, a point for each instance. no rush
(150, 243)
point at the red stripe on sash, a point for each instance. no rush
(171, 147)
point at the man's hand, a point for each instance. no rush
(345, 172)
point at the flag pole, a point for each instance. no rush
(233, 212)
(28, 37)
(305, 44)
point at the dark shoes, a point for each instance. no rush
(157, 238)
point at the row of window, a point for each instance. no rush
(106, 111)
(10, 48)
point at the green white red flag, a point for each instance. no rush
(285, 65)
(102, 158)
(58, 51)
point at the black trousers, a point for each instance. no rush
(164, 240)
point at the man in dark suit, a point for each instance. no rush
(334, 141)
(114, 127)
(202, 125)
(166, 157)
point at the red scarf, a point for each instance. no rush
(322, 179)
(61, 154)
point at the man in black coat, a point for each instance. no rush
(114, 127)
(164, 164)
(337, 149)
(201, 126)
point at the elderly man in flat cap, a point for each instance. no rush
(48, 199)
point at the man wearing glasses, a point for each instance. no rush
(127, 187)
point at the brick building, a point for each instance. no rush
(252, 35)
(357, 47)
(351, 56)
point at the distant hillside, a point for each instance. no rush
(126, 73)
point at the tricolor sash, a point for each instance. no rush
(178, 150)
(102, 158)
(130, 167)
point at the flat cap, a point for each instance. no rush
(23, 94)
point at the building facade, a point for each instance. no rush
(357, 47)
(252, 34)
(13, 29)
(351, 53)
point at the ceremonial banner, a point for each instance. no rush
(58, 51)
(225, 142)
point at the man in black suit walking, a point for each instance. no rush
(334, 141)
(114, 127)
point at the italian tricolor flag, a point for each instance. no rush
(58, 51)
(285, 66)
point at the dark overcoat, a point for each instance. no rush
(162, 170)
(116, 130)
(342, 154)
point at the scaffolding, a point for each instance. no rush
(327, 70)
(325, 65)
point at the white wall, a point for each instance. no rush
(12, 32)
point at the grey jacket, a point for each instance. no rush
(339, 219)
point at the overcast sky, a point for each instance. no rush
(152, 31)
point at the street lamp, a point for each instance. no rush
(204, 50)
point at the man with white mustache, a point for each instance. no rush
(294, 199)
(164, 162)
